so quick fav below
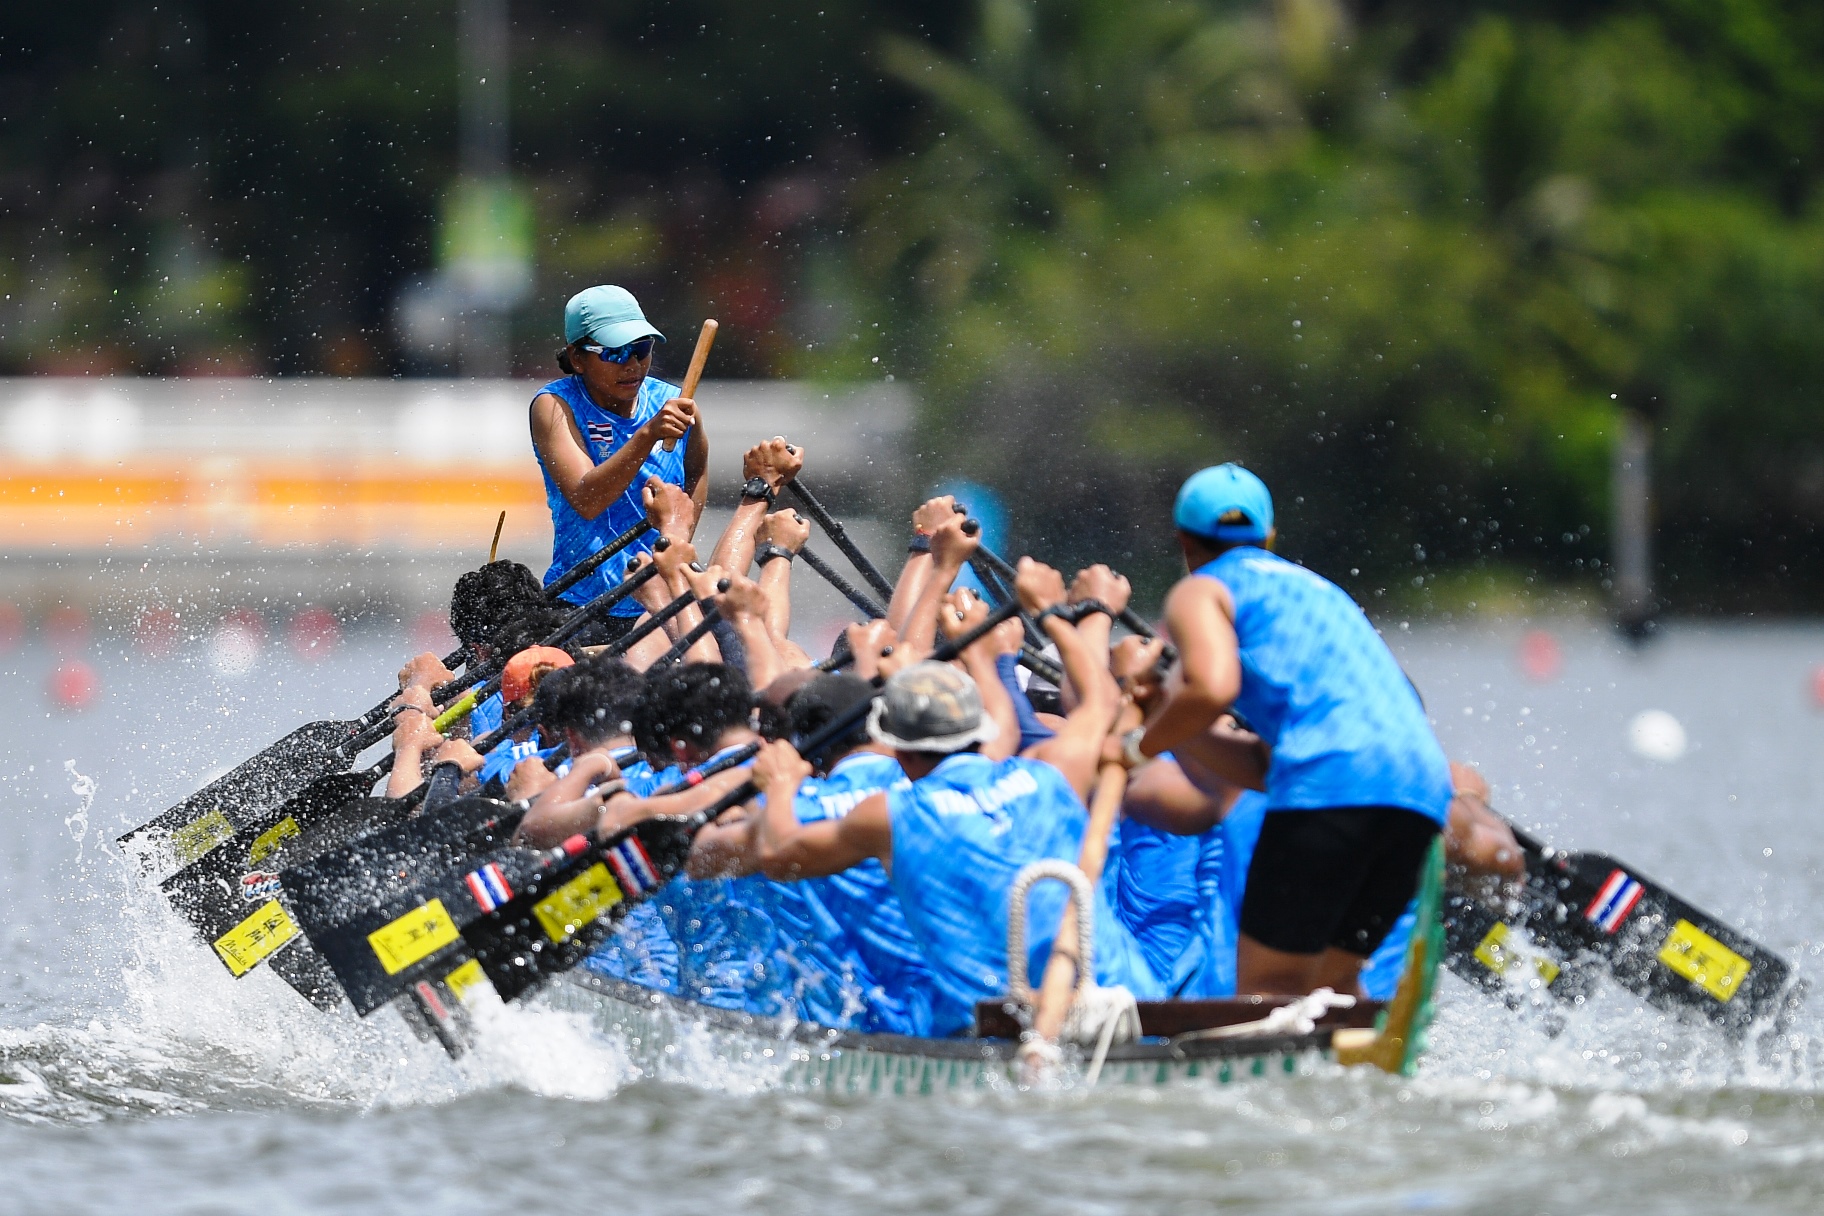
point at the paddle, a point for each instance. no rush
(205, 891)
(557, 905)
(233, 803)
(1589, 912)
(699, 358)
(234, 900)
(868, 606)
(836, 532)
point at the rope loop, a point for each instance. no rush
(1078, 882)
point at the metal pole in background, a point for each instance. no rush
(482, 52)
(1632, 490)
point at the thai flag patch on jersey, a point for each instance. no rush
(633, 869)
(1613, 903)
(489, 887)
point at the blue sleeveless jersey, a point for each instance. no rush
(1167, 890)
(605, 432)
(878, 948)
(1321, 688)
(960, 836)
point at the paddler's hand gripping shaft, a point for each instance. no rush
(510, 942)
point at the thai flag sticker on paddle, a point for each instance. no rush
(1613, 903)
(489, 887)
(633, 869)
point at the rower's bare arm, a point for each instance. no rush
(625, 810)
(1076, 749)
(775, 462)
(1199, 616)
(588, 487)
(1228, 753)
(789, 850)
(961, 612)
(951, 549)
(725, 848)
(1161, 796)
(917, 570)
(744, 607)
(790, 531)
(561, 810)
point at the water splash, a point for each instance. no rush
(78, 820)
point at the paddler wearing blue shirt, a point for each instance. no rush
(600, 432)
(1357, 785)
(973, 816)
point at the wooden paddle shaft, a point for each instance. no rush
(698, 357)
(1060, 982)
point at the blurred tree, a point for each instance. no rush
(1409, 285)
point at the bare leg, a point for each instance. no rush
(1262, 969)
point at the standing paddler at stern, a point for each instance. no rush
(1356, 783)
(600, 436)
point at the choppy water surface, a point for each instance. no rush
(136, 1075)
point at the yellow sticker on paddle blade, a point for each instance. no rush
(1492, 951)
(199, 836)
(417, 935)
(577, 902)
(1703, 960)
(269, 842)
(462, 980)
(1498, 956)
(243, 946)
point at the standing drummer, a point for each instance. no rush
(600, 435)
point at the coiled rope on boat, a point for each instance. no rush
(1098, 1016)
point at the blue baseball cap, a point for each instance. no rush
(608, 315)
(1225, 503)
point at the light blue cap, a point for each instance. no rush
(608, 315)
(1226, 503)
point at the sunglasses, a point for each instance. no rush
(637, 349)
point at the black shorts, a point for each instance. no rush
(1339, 877)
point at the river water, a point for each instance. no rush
(135, 1075)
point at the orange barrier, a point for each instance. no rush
(397, 506)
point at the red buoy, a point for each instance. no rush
(314, 633)
(156, 632)
(431, 631)
(12, 627)
(1817, 686)
(1540, 656)
(73, 686)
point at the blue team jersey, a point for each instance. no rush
(641, 949)
(499, 762)
(960, 836)
(1167, 890)
(880, 952)
(574, 538)
(486, 717)
(1321, 688)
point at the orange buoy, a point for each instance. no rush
(1817, 686)
(1541, 658)
(73, 686)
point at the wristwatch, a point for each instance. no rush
(759, 487)
(768, 551)
(920, 543)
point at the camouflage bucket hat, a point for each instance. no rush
(930, 707)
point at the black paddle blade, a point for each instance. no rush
(560, 915)
(218, 893)
(383, 910)
(1655, 944)
(1502, 959)
(232, 803)
(435, 1010)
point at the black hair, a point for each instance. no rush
(563, 361)
(484, 599)
(815, 705)
(598, 699)
(841, 653)
(531, 625)
(694, 702)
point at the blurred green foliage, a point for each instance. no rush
(1408, 271)
(1406, 259)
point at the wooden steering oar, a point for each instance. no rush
(699, 357)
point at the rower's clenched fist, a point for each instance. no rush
(870, 643)
(425, 671)
(674, 418)
(1038, 586)
(787, 529)
(744, 597)
(951, 547)
(779, 767)
(1100, 583)
(932, 513)
(776, 461)
(669, 509)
